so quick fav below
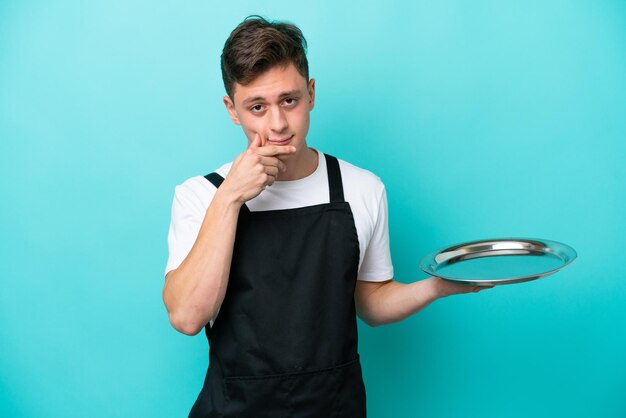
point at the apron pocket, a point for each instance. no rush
(332, 392)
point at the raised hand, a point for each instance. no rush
(255, 169)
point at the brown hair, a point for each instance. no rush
(257, 45)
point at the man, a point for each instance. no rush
(276, 253)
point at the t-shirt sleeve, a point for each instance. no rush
(188, 210)
(377, 265)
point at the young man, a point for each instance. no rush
(276, 253)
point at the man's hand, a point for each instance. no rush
(445, 288)
(254, 170)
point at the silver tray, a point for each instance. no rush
(498, 261)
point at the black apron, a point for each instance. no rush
(284, 343)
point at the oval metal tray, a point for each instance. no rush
(498, 261)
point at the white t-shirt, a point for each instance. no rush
(362, 190)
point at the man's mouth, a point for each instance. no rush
(279, 141)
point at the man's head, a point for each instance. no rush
(269, 92)
(257, 45)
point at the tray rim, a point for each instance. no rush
(555, 247)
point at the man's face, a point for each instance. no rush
(275, 105)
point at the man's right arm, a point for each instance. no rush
(195, 290)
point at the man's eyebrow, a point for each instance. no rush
(254, 99)
(296, 93)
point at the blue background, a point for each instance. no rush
(483, 118)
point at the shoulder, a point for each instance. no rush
(365, 192)
(359, 179)
(198, 190)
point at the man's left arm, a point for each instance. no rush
(379, 303)
(383, 302)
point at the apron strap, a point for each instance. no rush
(335, 185)
(217, 181)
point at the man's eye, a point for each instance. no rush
(256, 108)
(290, 101)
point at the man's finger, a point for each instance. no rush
(256, 142)
(274, 162)
(272, 150)
(271, 171)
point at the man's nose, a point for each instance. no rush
(278, 121)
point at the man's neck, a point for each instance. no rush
(299, 167)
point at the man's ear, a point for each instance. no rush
(311, 89)
(230, 107)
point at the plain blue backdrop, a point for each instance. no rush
(483, 118)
